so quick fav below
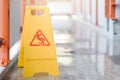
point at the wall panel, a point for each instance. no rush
(102, 21)
(93, 11)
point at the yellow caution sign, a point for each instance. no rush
(38, 52)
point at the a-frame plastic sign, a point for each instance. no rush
(38, 53)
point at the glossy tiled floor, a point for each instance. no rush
(83, 54)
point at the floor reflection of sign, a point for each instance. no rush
(39, 39)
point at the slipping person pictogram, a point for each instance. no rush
(39, 39)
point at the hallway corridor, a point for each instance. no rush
(83, 54)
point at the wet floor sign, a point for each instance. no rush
(37, 52)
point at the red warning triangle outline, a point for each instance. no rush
(41, 39)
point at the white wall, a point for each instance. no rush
(104, 24)
(84, 9)
(101, 13)
(60, 7)
(102, 21)
(78, 7)
(88, 9)
(15, 8)
(118, 10)
(111, 29)
(94, 11)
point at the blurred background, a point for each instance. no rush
(86, 35)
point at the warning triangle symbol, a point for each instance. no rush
(39, 39)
